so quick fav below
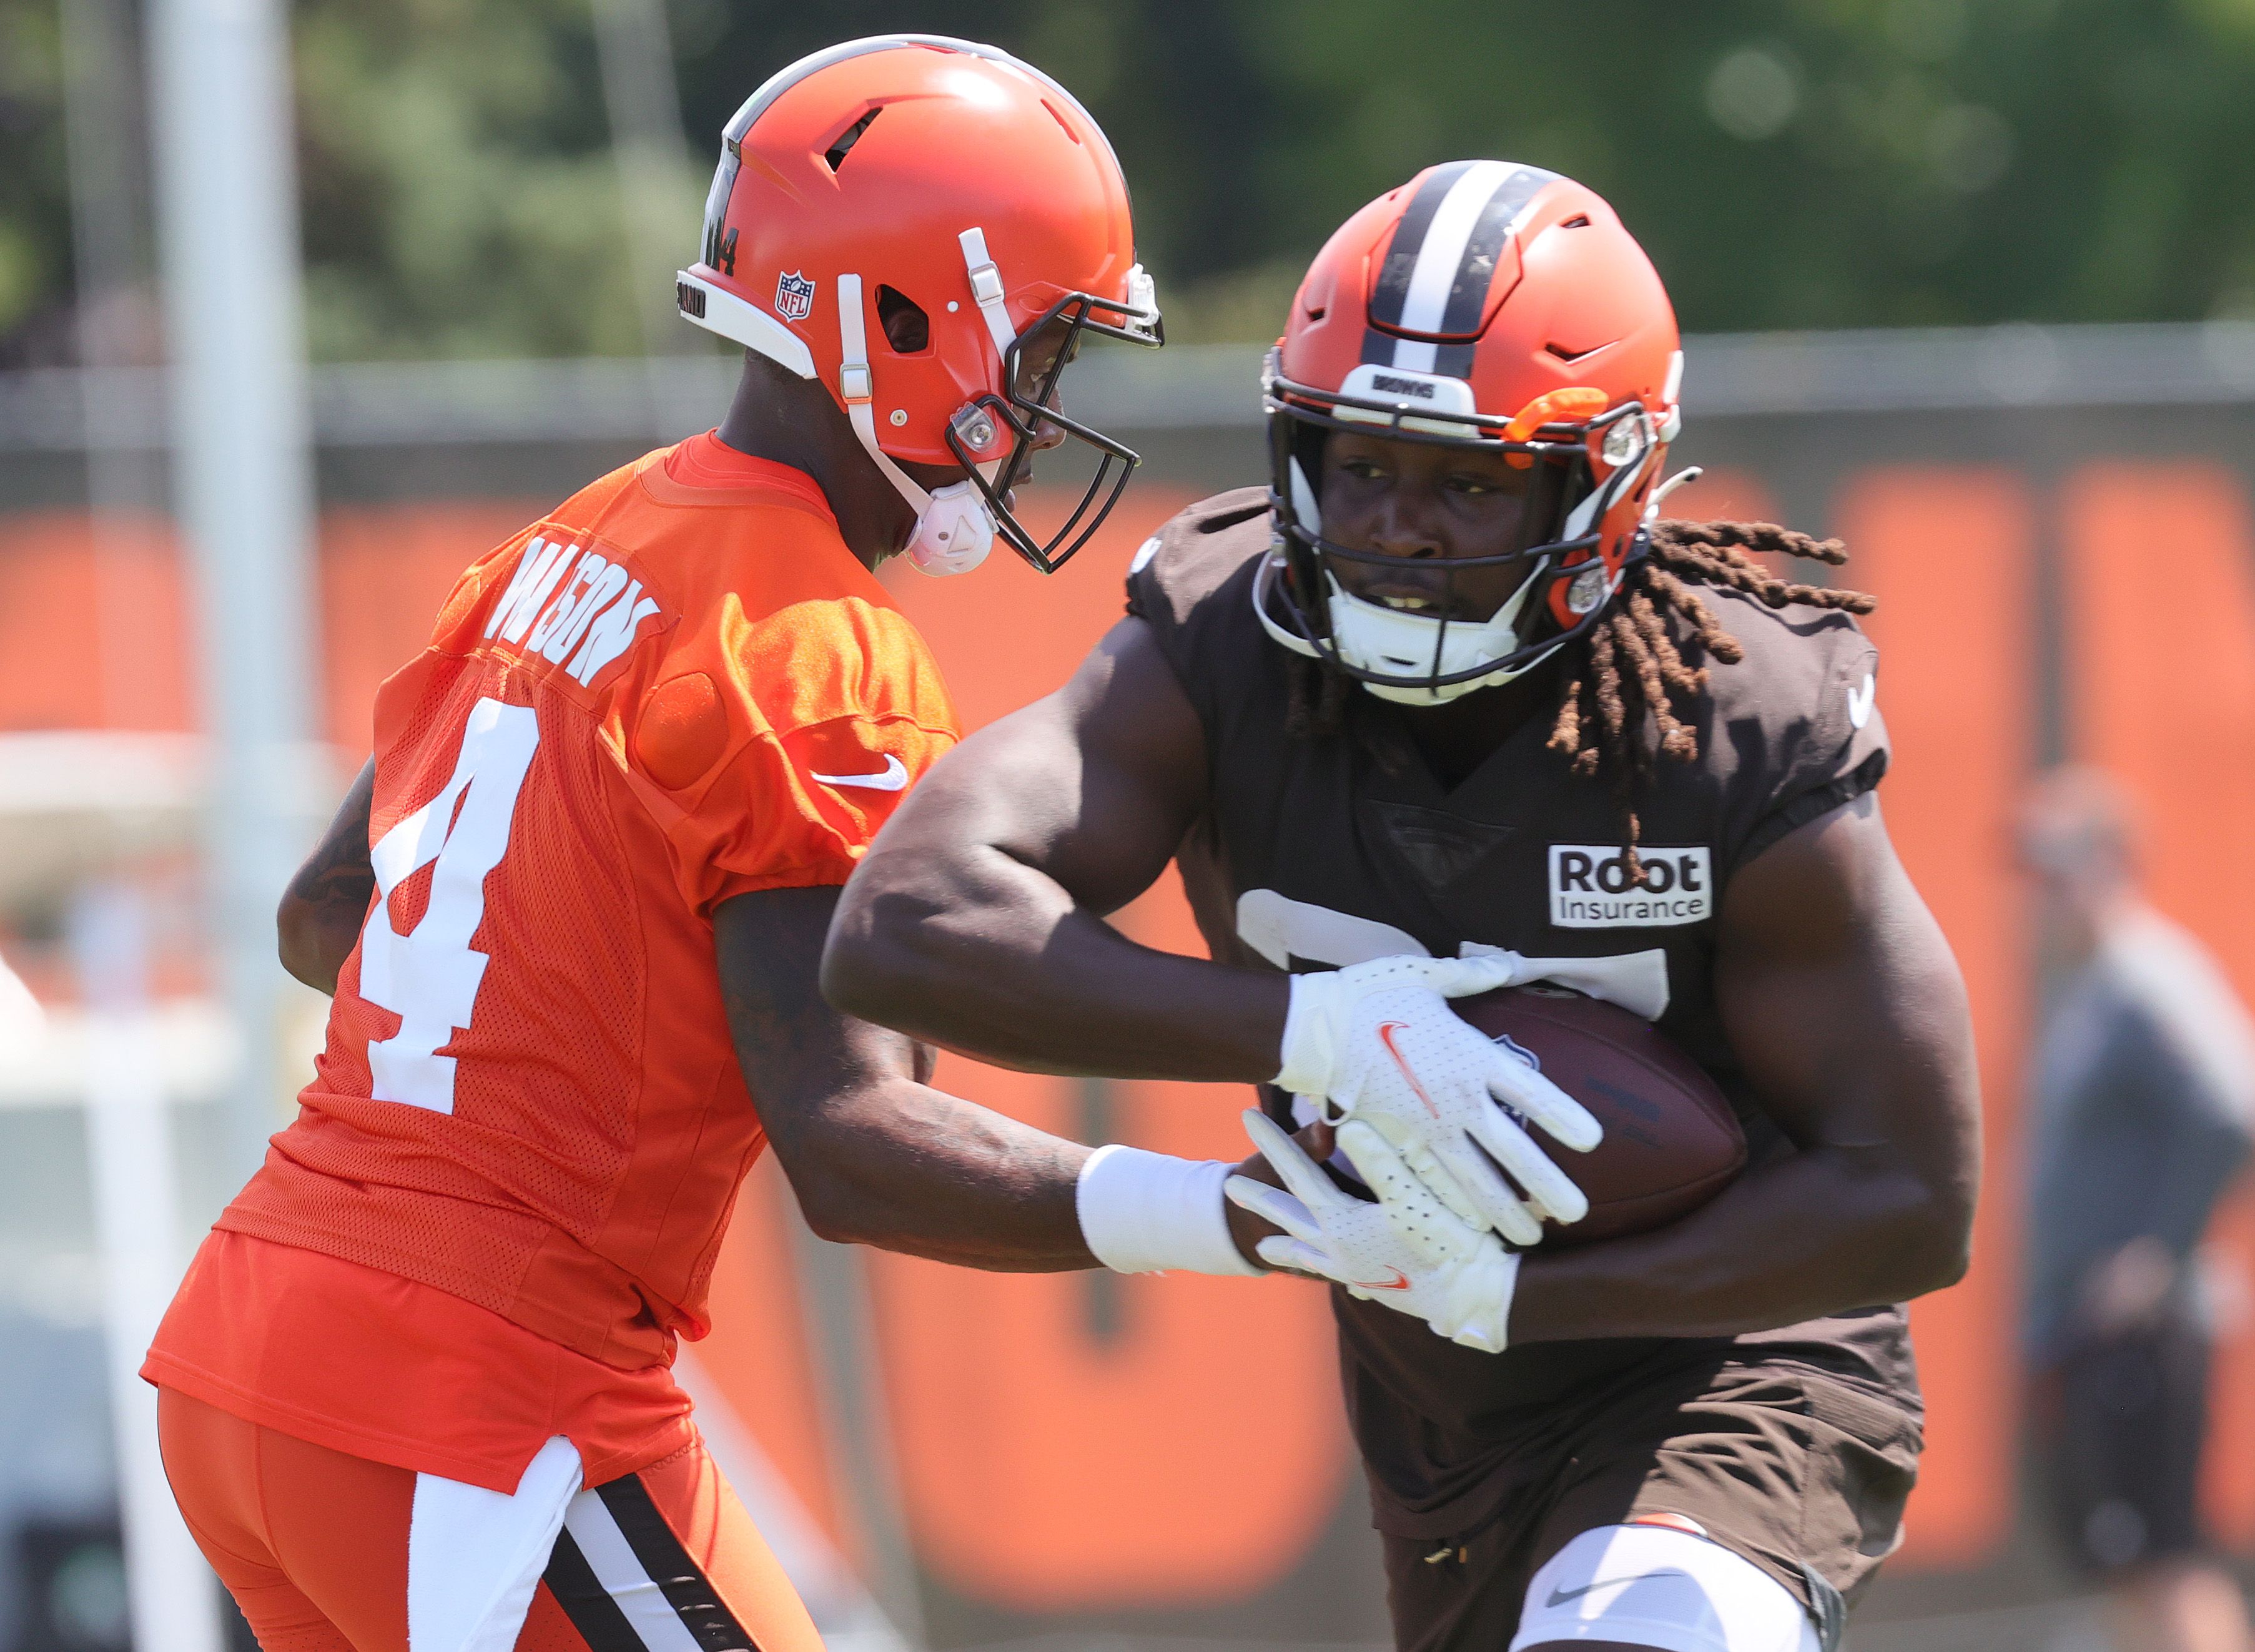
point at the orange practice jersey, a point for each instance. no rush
(659, 696)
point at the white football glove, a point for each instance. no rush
(1378, 1042)
(1406, 1251)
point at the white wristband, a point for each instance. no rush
(1144, 1212)
(1307, 1055)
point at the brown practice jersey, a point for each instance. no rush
(1318, 853)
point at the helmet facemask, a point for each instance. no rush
(996, 437)
(1578, 473)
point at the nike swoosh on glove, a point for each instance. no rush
(1406, 1251)
(1378, 1042)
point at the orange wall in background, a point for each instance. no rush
(1193, 1455)
(2159, 567)
(97, 633)
(760, 1358)
(1007, 1410)
(89, 640)
(1721, 493)
(1949, 553)
(384, 571)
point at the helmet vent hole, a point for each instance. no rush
(1579, 221)
(1061, 120)
(907, 328)
(1316, 314)
(1566, 354)
(837, 152)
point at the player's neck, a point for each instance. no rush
(792, 421)
(1455, 738)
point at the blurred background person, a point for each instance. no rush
(2144, 1074)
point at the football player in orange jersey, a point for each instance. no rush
(416, 1385)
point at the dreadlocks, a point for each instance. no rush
(1631, 662)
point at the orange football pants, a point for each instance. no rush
(312, 1544)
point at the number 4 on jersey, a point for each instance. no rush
(429, 977)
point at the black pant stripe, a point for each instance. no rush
(679, 1577)
(593, 1614)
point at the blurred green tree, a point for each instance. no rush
(457, 184)
(35, 231)
(1790, 163)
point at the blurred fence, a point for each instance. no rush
(2059, 526)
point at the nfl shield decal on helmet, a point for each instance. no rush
(794, 296)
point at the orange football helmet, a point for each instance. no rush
(928, 225)
(1490, 304)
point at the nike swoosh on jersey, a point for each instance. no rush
(1861, 700)
(1386, 1037)
(892, 777)
(1559, 1597)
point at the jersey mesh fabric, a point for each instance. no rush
(580, 1184)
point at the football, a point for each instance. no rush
(1671, 1141)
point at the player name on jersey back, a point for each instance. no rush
(1591, 888)
(570, 604)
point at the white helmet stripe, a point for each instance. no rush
(1441, 262)
(1444, 248)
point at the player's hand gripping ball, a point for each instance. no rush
(1671, 1141)
(1406, 1251)
(1378, 1043)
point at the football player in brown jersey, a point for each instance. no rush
(1450, 706)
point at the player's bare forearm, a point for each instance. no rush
(318, 921)
(988, 956)
(906, 1168)
(875, 1156)
(1848, 1012)
(976, 920)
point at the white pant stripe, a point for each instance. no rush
(1662, 1587)
(610, 1557)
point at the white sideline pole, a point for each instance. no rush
(129, 1156)
(659, 192)
(242, 484)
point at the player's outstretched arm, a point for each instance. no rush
(975, 921)
(878, 1156)
(318, 921)
(874, 1156)
(1846, 1009)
